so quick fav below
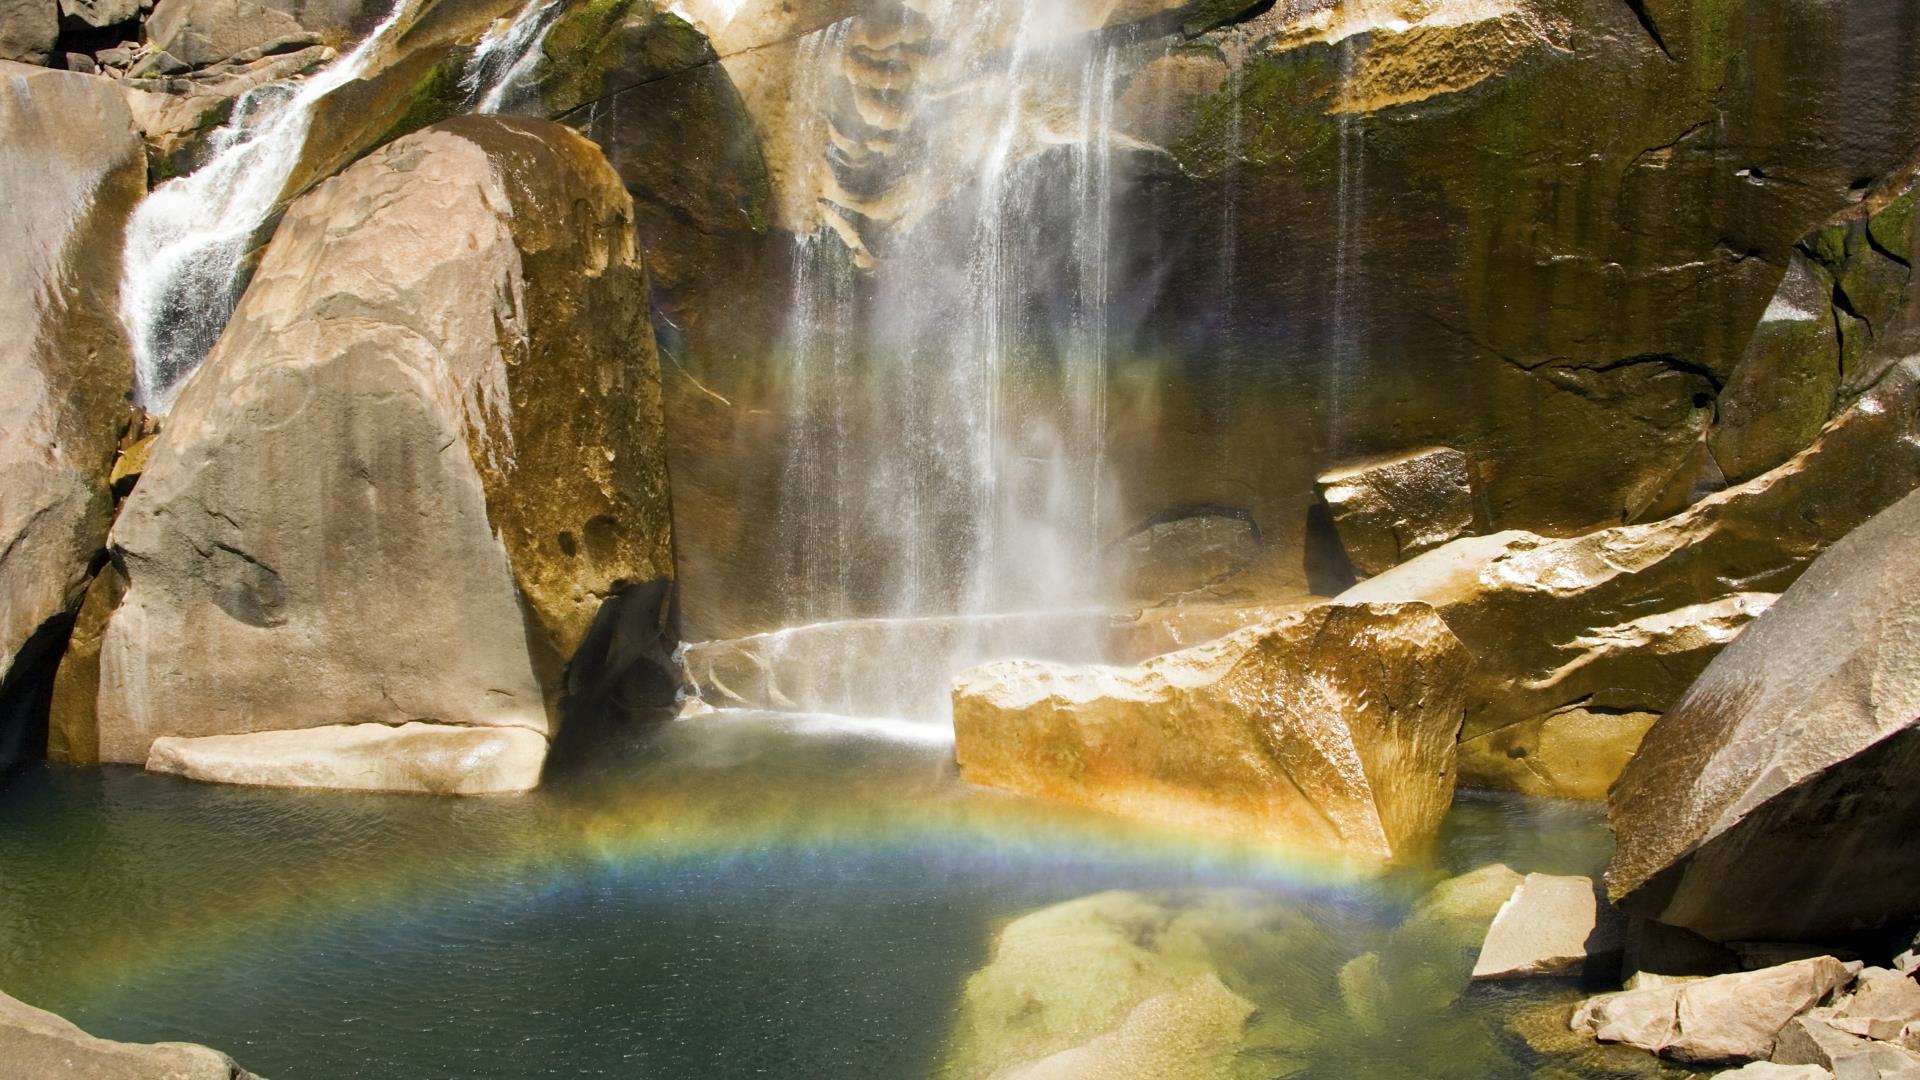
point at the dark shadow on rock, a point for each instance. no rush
(624, 672)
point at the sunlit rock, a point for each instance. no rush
(1427, 962)
(1815, 1039)
(28, 30)
(1391, 510)
(420, 466)
(1775, 801)
(1621, 620)
(71, 168)
(1726, 1018)
(1332, 728)
(1767, 1070)
(1575, 753)
(37, 1045)
(437, 759)
(1550, 926)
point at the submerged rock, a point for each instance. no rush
(1726, 1018)
(1621, 620)
(438, 759)
(1332, 727)
(37, 1045)
(1427, 962)
(423, 457)
(1776, 801)
(71, 169)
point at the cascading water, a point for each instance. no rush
(187, 241)
(506, 56)
(946, 352)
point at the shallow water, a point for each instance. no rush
(732, 896)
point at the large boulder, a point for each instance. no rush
(1427, 961)
(1616, 623)
(28, 29)
(37, 1045)
(1550, 926)
(1333, 728)
(1775, 801)
(419, 471)
(1727, 1018)
(71, 168)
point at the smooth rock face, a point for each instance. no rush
(1389, 511)
(71, 168)
(438, 759)
(37, 1045)
(1775, 801)
(1767, 1070)
(1330, 728)
(1726, 1018)
(1621, 620)
(1575, 753)
(422, 455)
(1550, 926)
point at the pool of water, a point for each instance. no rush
(733, 896)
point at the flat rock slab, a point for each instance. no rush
(37, 1045)
(1550, 927)
(1727, 1018)
(1767, 1070)
(437, 759)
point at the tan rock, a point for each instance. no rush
(1814, 1039)
(1882, 1005)
(1330, 728)
(71, 168)
(1186, 1034)
(1726, 1018)
(37, 1045)
(1623, 618)
(1767, 1070)
(1550, 926)
(1773, 802)
(1575, 753)
(1427, 962)
(437, 759)
(422, 458)
(1390, 510)
(28, 30)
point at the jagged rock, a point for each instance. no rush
(37, 1045)
(1332, 728)
(1786, 384)
(1545, 1028)
(1177, 557)
(1138, 981)
(1623, 618)
(1391, 510)
(1427, 962)
(386, 495)
(1575, 753)
(1726, 1018)
(1774, 801)
(1814, 1039)
(438, 759)
(1767, 1070)
(1550, 926)
(1882, 1006)
(28, 30)
(100, 13)
(71, 169)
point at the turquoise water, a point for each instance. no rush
(738, 896)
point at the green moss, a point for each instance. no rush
(1892, 228)
(1282, 102)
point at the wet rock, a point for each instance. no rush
(1331, 728)
(1551, 926)
(1427, 962)
(1726, 1018)
(1622, 619)
(37, 1045)
(1787, 383)
(1575, 753)
(383, 497)
(1185, 1034)
(28, 30)
(1774, 802)
(437, 759)
(1389, 511)
(71, 168)
(1178, 557)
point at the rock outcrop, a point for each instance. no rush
(71, 168)
(1619, 621)
(422, 461)
(1389, 511)
(1331, 728)
(28, 30)
(437, 759)
(37, 1045)
(1775, 801)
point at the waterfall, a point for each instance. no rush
(945, 358)
(507, 54)
(188, 240)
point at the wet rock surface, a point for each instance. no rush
(37, 1045)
